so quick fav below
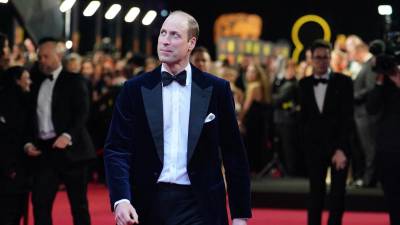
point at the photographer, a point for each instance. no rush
(384, 99)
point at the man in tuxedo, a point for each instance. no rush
(171, 130)
(326, 101)
(62, 146)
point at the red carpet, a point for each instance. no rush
(101, 214)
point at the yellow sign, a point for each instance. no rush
(296, 28)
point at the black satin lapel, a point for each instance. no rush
(312, 95)
(57, 90)
(199, 102)
(329, 93)
(152, 100)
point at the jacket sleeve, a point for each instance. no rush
(117, 149)
(346, 115)
(234, 157)
(375, 100)
(80, 106)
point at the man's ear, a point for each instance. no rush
(192, 43)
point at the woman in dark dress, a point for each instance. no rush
(254, 115)
(13, 132)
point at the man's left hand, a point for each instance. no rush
(339, 159)
(61, 142)
(239, 222)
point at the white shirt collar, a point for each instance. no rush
(188, 69)
(56, 72)
(324, 76)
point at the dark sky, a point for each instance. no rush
(343, 16)
(350, 16)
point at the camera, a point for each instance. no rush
(393, 45)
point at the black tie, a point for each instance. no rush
(167, 78)
(50, 77)
(320, 80)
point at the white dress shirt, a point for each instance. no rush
(43, 109)
(176, 110)
(320, 91)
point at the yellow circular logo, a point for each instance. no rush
(296, 29)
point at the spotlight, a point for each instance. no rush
(149, 17)
(91, 8)
(112, 11)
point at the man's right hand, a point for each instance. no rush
(32, 151)
(125, 214)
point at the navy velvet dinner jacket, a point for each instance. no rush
(134, 147)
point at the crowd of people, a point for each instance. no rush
(278, 114)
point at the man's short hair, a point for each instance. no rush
(377, 47)
(193, 30)
(59, 46)
(200, 49)
(362, 47)
(319, 43)
(47, 39)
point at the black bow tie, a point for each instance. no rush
(50, 77)
(320, 80)
(167, 78)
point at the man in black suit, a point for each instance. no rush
(326, 101)
(170, 132)
(62, 146)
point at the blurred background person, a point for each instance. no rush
(230, 74)
(284, 101)
(326, 117)
(384, 99)
(73, 63)
(339, 62)
(60, 112)
(14, 117)
(351, 42)
(254, 115)
(365, 124)
(243, 64)
(305, 68)
(4, 57)
(150, 63)
(201, 59)
(135, 65)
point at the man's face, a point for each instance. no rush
(202, 61)
(74, 66)
(320, 60)
(49, 60)
(174, 46)
(87, 69)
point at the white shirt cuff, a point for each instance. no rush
(27, 145)
(119, 201)
(69, 137)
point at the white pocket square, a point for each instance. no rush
(2, 119)
(209, 118)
